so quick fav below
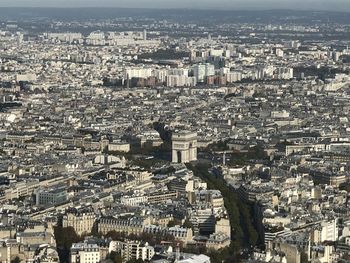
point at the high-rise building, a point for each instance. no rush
(234, 76)
(178, 71)
(184, 147)
(216, 52)
(201, 71)
(180, 81)
(137, 72)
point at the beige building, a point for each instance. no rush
(118, 147)
(290, 251)
(37, 238)
(9, 249)
(132, 225)
(81, 220)
(7, 232)
(223, 226)
(180, 233)
(157, 198)
(21, 189)
(217, 241)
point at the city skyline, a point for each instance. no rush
(337, 5)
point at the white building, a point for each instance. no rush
(96, 38)
(201, 71)
(178, 71)
(30, 77)
(181, 81)
(119, 147)
(85, 253)
(132, 250)
(234, 76)
(133, 200)
(135, 72)
(327, 231)
(161, 74)
(50, 196)
(195, 259)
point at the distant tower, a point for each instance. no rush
(184, 147)
(19, 38)
(145, 34)
(177, 253)
(127, 81)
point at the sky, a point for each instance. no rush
(334, 5)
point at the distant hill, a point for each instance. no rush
(180, 15)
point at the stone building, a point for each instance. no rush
(184, 147)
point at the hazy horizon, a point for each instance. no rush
(322, 5)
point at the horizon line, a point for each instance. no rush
(186, 8)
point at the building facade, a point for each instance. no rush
(85, 253)
(82, 221)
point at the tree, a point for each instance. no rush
(115, 257)
(171, 223)
(219, 256)
(187, 224)
(114, 235)
(16, 260)
(243, 231)
(218, 146)
(135, 261)
(94, 230)
(65, 237)
(345, 186)
(152, 239)
(303, 257)
(175, 222)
